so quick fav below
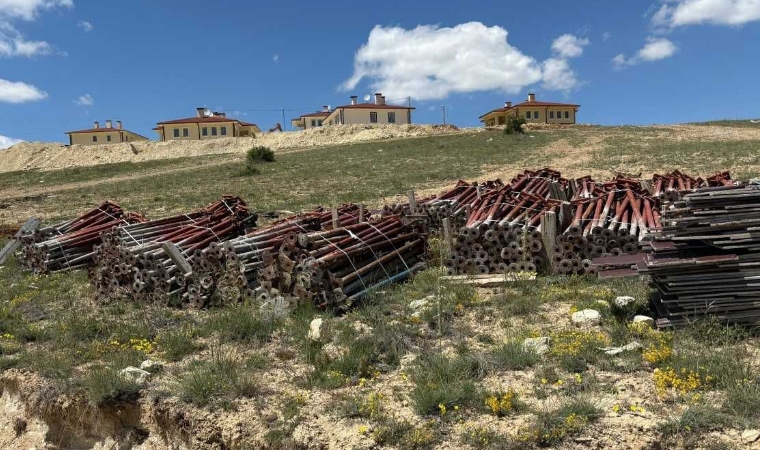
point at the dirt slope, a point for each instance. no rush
(51, 156)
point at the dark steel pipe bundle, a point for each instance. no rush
(670, 187)
(132, 261)
(70, 244)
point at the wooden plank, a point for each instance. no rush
(489, 280)
(447, 235)
(549, 235)
(335, 218)
(412, 201)
(30, 225)
(176, 255)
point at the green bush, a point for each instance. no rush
(256, 156)
(514, 125)
(105, 385)
(222, 378)
(448, 382)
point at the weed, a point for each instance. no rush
(514, 125)
(222, 378)
(513, 356)
(503, 403)
(447, 381)
(104, 385)
(369, 406)
(696, 419)
(483, 438)
(575, 349)
(552, 426)
(743, 400)
(241, 324)
(256, 156)
(177, 344)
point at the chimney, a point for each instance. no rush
(353, 99)
(200, 111)
(507, 104)
(119, 125)
(220, 114)
(531, 97)
(326, 108)
(97, 124)
(108, 123)
(378, 98)
(382, 100)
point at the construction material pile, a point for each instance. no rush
(706, 258)
(148, 261)
(232, 271)
(69, 245)
(672, 186)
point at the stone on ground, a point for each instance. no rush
(644, 319)
(623, 301)
(750, 436)
(151, 366)
(586, 317)
(539, 345)
(134, 374)
(316, 329)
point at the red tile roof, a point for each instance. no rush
(95, 130)
(373, 106)
(211, 119)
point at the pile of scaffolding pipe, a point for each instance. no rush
(232, 272)
(70, 245)
(672, 186)
(132, 262)
(501, 231)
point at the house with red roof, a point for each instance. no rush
(205, 125)
(103, 135)
(369, 113)
(533, 111)
(311, 120)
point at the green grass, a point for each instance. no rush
(736, 123)
(570, 418)
(448, 381)
(104, 386)
(218, 380)
(694, 420)
(351, 173)
(512, 356)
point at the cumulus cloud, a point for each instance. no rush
(430, 62)
(12, 42)
(6, 141)
(655, 49)
(558, 76)
(19, 92)
(606, 35)
(85, 100)
(85, 25)
(678, 13)
(569, 46)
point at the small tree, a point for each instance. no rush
(514, 125)
(254, 157)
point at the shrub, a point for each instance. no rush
(514, 125)
(743, 400)
(696, 419)
(241, 324)
(105, 385)
(256, 156)
(177, 344)
(512, 356)
(552, 426)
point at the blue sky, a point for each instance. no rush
(65, 63)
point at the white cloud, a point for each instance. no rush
(677, 13)
(276, 58)
(654, 50)
(28, 9)
(19, 92)
(85, 100)
(6, 141)
(569, 46)
(558, 76)
(606, 35)
(85, 25)
(13, 43)
(429, 62)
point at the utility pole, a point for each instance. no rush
(283, 118)
(443, 109)
(409, 101)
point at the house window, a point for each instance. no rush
(223, 130)
(176, 132)
(567, 114)
(313, 123)
(551, 114)
(205, 131)
(185, 132)
(527, 114)
(319, 123)
(535, 114)
(108, 137)
(391, 117)
(213, 131)
(94, 139)
(373, 117)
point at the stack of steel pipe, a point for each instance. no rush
(132, 261)
(70, 244)
(337, 267)
(230, 272)
(609, 219)
(670, 187)
(502, 231)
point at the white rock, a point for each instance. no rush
(626, 348)
(587, 317)
(750, 436)
(623, 301)
(644, 319)
(151, 366)
(418, 305)
(362, 328)
(539, 345)
(407, 361)
(316, 329)
(134, 374)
